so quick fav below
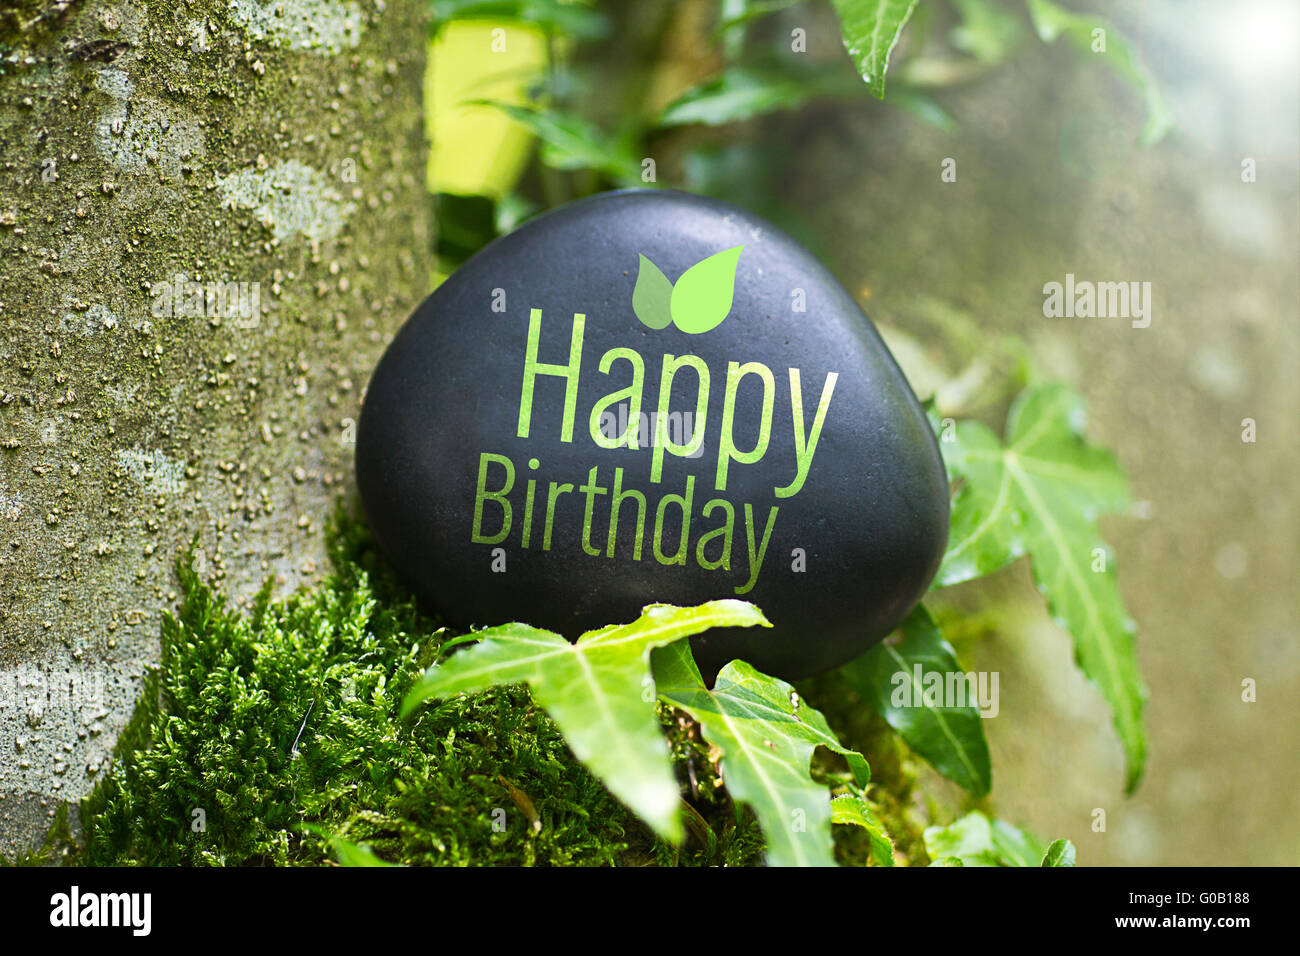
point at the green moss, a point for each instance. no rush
(206, 771)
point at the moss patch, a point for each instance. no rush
(262, 732)
(208, 772)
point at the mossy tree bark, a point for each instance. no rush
(212, 218)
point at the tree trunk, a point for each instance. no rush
(212, 218)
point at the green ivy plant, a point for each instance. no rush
(594, 691)
(1037, 495)
(1040, 494)
(767, 737)
(951, 738)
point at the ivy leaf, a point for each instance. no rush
(741, 93)
(1060, 853)
(969, 841)
(767, 736)
(986, 527)
(949, 737)
(853, 810)
(1041, 494)
(870, 29)
(572, 142)
(702, 297)
(651, 296)
(594, 690)
(975, 840)
(1014, 846)
(1052, 21)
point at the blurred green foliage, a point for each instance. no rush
(620, 104)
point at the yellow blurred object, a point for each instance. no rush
(478, 150)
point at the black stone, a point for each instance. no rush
(872, 515)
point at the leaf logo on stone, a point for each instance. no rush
(699, 301)
(651, 297)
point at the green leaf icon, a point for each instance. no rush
(651, 296)
(702, 297)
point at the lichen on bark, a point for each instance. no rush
(212, 218)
